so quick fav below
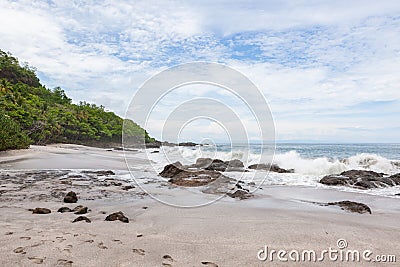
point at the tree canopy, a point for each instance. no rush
(30, 113)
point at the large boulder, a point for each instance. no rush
(171, 170)
(70, 197)
(182, 176)
(362, 174)
(361, 179)
(218, 165)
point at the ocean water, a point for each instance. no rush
(310, 161)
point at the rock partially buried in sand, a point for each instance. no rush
(82, 218)
(352, 206)
(41, 211)
(127, 187)
(117, 216)
(64, 209)
(80, 210)
(240, 194)
(71, 197)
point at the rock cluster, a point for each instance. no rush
(182, 176)
(361, 179)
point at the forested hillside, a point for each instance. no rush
(30, 113)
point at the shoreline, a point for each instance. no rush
(228, 232)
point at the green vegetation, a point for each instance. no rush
(32, 114)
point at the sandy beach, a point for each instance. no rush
(229, 232)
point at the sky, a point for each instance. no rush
(329, 70)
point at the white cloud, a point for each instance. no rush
(315, 61)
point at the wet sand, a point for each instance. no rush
(229, 232)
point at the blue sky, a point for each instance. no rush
(330, 70)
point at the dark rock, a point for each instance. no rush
(395, 178)
(71, 197)
(334, 180)
(100, 173)
(117, 216)
(352, 206)
(241, 194)
(187, 144)
(172, 170)
(235, 163)
(272, 168)
(127, 187)
(155, 151)
(218, 165)
(75, 176)
(82, 218)
(41, 211)
(67, 182)
(169, 144)
(204, 162)
(156, 144)
(181, 176)
(361, 179)
(398, 194)
(81, 210)
(361, 174)
(64, 209)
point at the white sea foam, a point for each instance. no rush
(324, 166)
(308, 171)
(289, 160)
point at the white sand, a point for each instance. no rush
(228, 233)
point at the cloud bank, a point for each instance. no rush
(330, 71)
